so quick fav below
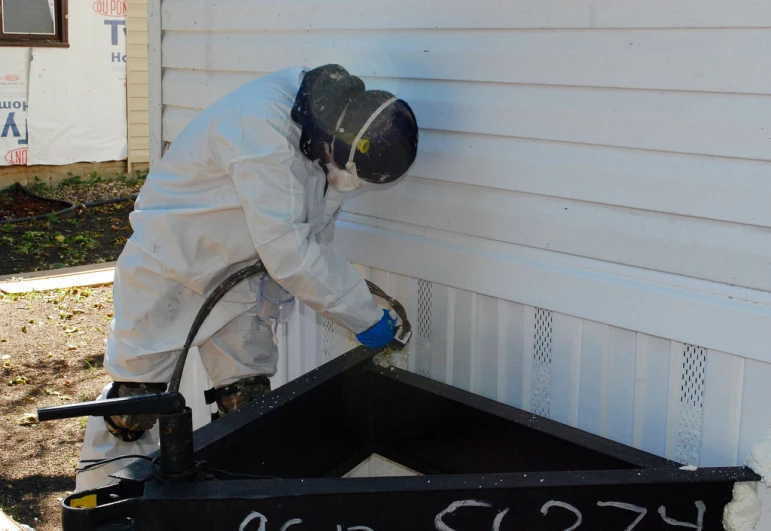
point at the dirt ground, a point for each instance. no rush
(52, 344)
(96, 234)
(51, 352)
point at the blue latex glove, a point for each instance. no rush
(379, 335)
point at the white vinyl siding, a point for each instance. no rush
(589, 212)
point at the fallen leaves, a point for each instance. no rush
(54, 392)
(19, 380)
(28, 419)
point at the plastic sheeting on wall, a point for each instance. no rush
(74, 102)
(14, 74)
(78, 96)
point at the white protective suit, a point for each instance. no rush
(232, 189)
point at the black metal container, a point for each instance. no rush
(278, 465)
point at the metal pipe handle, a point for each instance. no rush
(132, 405)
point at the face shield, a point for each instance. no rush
(346, 179)
(374, 132)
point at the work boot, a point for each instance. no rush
(131, 427)
(238, 394)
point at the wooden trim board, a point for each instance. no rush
(69, 277)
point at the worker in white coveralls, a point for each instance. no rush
(258, 175)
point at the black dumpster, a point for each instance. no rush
(279, 463)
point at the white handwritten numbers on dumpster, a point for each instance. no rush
(263, 522)
(553, 504)
(259, 522)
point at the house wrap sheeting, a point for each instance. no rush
(65, 105)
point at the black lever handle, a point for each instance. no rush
(132, 405)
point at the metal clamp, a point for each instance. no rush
(401, 338)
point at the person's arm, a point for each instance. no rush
(332, 208)
(273, 200)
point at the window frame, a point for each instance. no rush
(58, 40)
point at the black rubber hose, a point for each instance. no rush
(211, 301)
(68, 210)
(63, 214)
(71, 210)
(396, 305)
(235, 279)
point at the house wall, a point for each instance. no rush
(586, 231)
(68, 104)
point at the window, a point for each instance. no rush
(33, 22)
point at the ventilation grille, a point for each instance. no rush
(327, 339)
(542, 362)
(694, 367)
(422, 342)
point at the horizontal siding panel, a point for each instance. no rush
(139, 117)
(695, 60)
(138, 36)
(139, 103)
(696, 123)
(666, 182)
(137, 90)
(138, 131)
(445, 14)
(137, 65)
(710, 315)
(137, 50)
(136, 10)
(721, 252)
(138, 76)
(174, 121)
(199, 89)
(140, 155)
(140, 143)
